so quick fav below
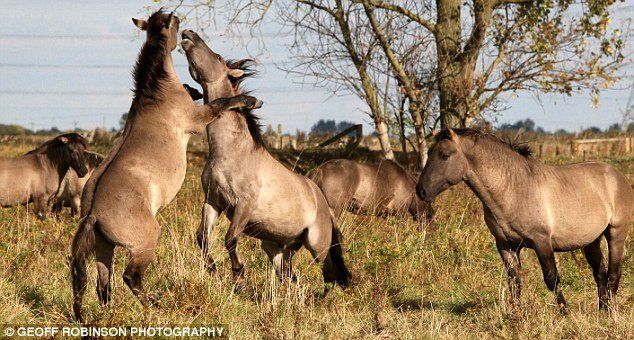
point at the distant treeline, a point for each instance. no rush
(18, 130)
(529, 126)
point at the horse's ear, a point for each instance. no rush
(235, 72)
(169, 20)
(141, 24)
(452, 134)
(64, 139)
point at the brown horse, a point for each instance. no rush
(376, 189)
(145, 170)
(36, 176)
(260, 196)
(528, 204)
(69, 194)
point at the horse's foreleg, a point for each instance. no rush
(594, 256)
(511, 259)
(615, 235)
(239, 220)
(75, 205)
(40, 205)
(209, 216)
(546, 256)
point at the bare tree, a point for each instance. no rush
(447, 61)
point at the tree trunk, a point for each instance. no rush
(450, 78)
(422, 146)
(384, 138)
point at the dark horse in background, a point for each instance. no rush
(371, 189)
(36, 176)
(528, 204)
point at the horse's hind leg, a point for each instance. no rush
(104, 252)
(279, 256)
(546, 256)
(615, 235)
(209, 216)
(142, 253)
(594, 256)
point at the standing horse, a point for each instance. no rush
(260, 196)
(69, 194)
(36, 176)
(145, 170)
(533, 205)
(379, 189)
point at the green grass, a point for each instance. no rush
(407, 284)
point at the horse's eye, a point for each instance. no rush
(444, 157)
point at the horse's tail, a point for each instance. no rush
(342, 274)
(316, 175)
(82, 248)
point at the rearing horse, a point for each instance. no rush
(145, 170)
(528, 204)
(260, 196)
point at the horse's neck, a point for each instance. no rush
(229, 136)
(56, 169)
(495, 177)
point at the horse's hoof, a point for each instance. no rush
(563, 309)
(240, 286)
(212, 268)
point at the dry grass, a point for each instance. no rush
(450, 284)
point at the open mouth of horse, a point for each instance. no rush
(188, 38)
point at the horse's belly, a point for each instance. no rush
(13, 192)
(579, 233)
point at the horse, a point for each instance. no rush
(145, 169)
(371, 189)
(528, 204)
(36, 176)
(260, 196)
(69, 194)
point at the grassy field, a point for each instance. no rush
(448, 284)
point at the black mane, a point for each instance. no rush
(521, 148)
(149, 71)
(253, 121)
(56, 150)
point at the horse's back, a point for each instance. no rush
(20, 178)
(339, 181)
(385, 187)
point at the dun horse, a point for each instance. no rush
(36, 176)
(69, 194)
(145, 170)
(382, 189)
(261, 197)
(531, 205)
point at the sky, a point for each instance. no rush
(68, 63)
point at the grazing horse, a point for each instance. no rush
(378, 189)
(36, 176)
(533, 205)
(69, 194)
(260, 196)
(146, 168)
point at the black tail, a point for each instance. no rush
(342, 274)
(82, 248)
